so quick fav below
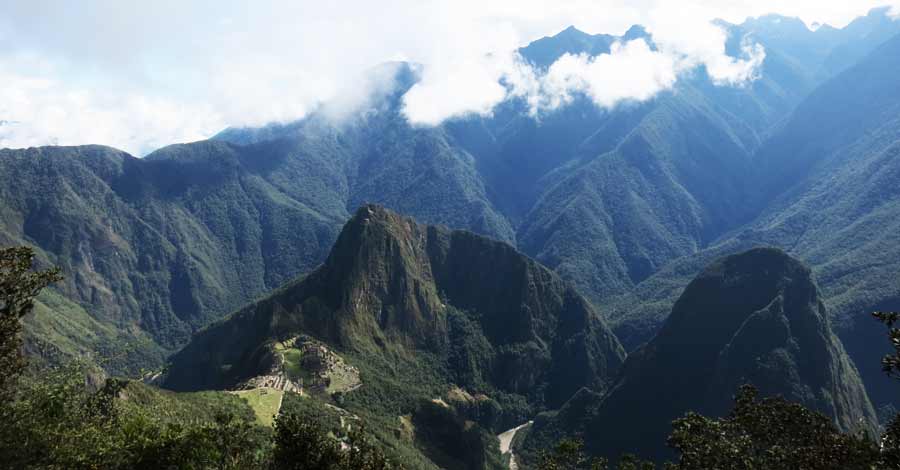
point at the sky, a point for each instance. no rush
(141, 75)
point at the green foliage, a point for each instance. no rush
(569, 454)
(72, 417)
(301, 444)
(827, 193)
(19, 286)
(265, 403)
(470, 354)
(768, 433)
(442, 316)
(755, 317)
(59, 421)
(891, 363)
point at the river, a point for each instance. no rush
(506, 440)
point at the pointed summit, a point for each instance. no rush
(636, 32)
(543, 52)
(571, 32)
(392, 286)
(754, 317)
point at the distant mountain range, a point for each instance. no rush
(626, 204)
(829, 197)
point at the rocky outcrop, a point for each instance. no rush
(756, 317)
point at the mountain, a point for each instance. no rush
(543, 52)
(825, 193)
(756, 317)
(155, 248)
(608, 197)
(861, 37)
(824, 51)
(416, 313)
(388, 286)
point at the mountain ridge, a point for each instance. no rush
(227, 222)
(384, 290)
(755, 317)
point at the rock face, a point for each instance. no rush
(392, 286)
(755, 317)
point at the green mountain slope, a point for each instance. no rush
(670, 186)
(158, 247)
(420, 321)
(390, 287)
(161, 246)
(756, 317)
(826, 192)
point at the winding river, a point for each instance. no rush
(506, 440)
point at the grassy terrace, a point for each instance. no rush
(265, 403)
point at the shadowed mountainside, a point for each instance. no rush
(154, 248)
(827, 194)
(756, 317)
(387, 288)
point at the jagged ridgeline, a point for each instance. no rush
(419, 313)
(755, 317)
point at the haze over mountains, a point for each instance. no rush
(600, 219)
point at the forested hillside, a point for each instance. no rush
(155, 248)
(418, 323)
(827, 193)
(755, 317)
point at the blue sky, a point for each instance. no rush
(142, 75)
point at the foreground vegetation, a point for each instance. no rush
(767, 433)
(73, 417)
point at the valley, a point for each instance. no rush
(553, 281)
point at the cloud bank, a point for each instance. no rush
(682, 40)
(142, 75)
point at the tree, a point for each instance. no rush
(569, 454)
(55, 420)
(770, 433)
(302, 444)
(19, 285)
(890, 363)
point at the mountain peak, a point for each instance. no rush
(372, 212)
(392, 285)
(635, 32)
(879, 12)
(754, 317)
(764, 264)
(571, 31)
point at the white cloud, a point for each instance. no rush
(138, 75)
(684, 33)
(631, 71)
(893, 7)
(470, 87)
(44, 111)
